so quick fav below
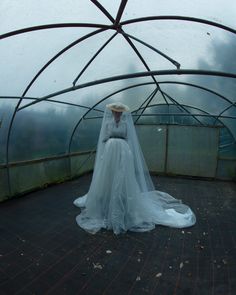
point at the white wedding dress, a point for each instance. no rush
(121, 196)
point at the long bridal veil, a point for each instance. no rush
(122, 196)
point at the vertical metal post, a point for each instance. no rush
(166, 147)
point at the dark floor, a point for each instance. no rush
(43, 251)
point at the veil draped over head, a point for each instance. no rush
(141, 171)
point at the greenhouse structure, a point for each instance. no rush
(173, 64)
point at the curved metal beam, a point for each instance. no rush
(226, 109)
(174, 62)
(33, 80)
(59, 54)
(135, 75)
(208, 114)
(148, 100)
(188, 114)
(120, 12)
(185, 114)
(103, 10)
(181, 105)
(50, 100)
(54, 26)
(93, 57)
(179, 17)
(198, 86)
(142, 60)
(232, 104)
(143, 103)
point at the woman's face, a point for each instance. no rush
(117, 116)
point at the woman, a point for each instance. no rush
(122, 196)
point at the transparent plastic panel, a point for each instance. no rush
(153, 143)
(226, 169)
(36, 175)
(7, 107)
(227, 145)
(215, 10)
(133, 97)
(86, 135)
(167, 114)
(82, 163)
(26, 54)
(42, 133)
(154, 60)
(93, 114)
(27, 13)
(192, 150)
(111, 6)
(231, 125)
(88, 97)
(205, 100)
(117, 58)
(64, 70)
(4, 189)
(193, 45)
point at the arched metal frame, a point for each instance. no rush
(206, 114)
(117, 25)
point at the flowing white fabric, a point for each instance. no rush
(122, 196)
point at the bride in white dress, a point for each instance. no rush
(122, 196)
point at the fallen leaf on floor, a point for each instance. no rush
(200, 247)
(158, 275)
(138, 278)
(181, 265)
(108, 251)
(97, 265)
(138, 259)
